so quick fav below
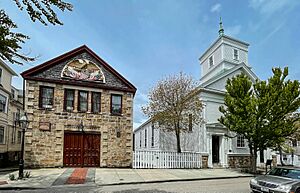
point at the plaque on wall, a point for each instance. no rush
(45, 126)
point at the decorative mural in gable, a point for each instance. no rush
(83, 69)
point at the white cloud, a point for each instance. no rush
(269, 7)
(234, 30)
(216, 8)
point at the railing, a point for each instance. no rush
(158, 159)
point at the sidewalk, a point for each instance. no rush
(45, 178)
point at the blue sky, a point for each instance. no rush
(146, 40)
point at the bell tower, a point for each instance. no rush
(225, 53)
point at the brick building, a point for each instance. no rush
(80, 112)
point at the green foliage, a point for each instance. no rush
(27, 174)
(261, 111)
(11, 42)
(12, 177)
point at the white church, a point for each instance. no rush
(225, 58)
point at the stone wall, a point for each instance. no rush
(204, 161)
(45, 148)
(239, 161)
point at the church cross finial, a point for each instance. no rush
(221, 30)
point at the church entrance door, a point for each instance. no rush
(215, 149)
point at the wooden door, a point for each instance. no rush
(91, 151)
(81, 150)
(215, 149)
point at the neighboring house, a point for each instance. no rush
(225, 58)
(80, 112)
(10, 109)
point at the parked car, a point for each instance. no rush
(277, 180)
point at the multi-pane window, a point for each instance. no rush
(240, 141)
(190, 122)
(13, 93)
(69, 100)
(46, 97)
(82, 101)
(140, 139)
(96, 102)
(2, 103)
(235, 54)
(145, 137)
(211, 61)
(1, 134)
(116, 104)
(152, 136)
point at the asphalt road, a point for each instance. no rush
(236, 185)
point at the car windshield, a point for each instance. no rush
(285, 172)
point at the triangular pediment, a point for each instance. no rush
(219, 81)
(80, 66)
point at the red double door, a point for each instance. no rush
(81, 150)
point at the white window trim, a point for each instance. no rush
(4, 134)
(213, 61)
(240, 147)
(238, 54)
(6, 104)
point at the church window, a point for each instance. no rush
(240, 141)
(190, 122)
(211, 61)
(235, 54)
(145, 137)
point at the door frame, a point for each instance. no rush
(82, 145)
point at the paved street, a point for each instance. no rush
(236, 185)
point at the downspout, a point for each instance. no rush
(23, 94)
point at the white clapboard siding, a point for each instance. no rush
(159, 159)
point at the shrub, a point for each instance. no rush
(12, 177)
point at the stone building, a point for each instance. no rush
(80, 112)
(10, 109)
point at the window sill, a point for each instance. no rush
(46, 109)
(115, 114)
(241, 147)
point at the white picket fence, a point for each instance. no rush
(158, 159)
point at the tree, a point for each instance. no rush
(174, 104)
(11, 42)
(260, 111)
(284, 144)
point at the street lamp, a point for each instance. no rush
(81, 126)
(24, 124)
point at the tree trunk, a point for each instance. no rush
(280, 155)
(253, 159)
(178, 141)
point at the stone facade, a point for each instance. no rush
(204, 161)
(239, 161)
(45, 148)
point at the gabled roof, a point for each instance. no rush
(29, 74)
(225, 73)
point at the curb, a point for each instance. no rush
(20, 188)
(128, 183)
(175, 180)
(8, 169)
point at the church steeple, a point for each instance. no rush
(221, 30)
